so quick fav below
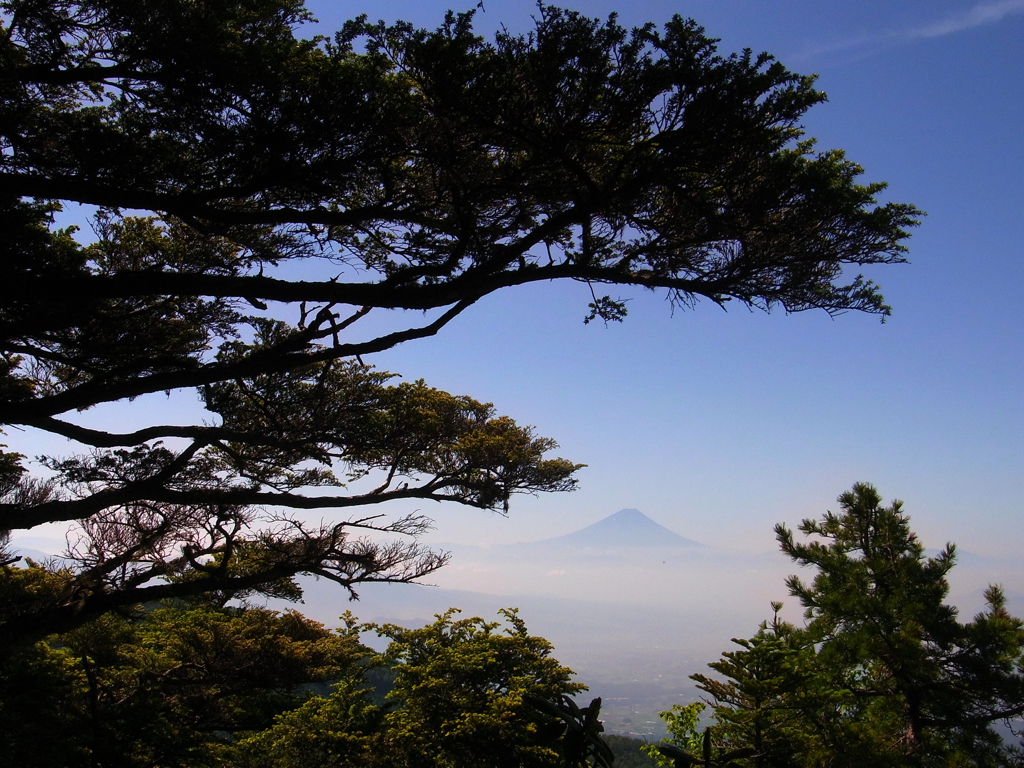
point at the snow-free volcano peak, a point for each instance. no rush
(625, 528)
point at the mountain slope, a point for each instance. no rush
(626, 528)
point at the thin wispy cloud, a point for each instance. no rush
(979, 15)
(864, 45)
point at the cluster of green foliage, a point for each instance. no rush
(461, 692)
(681, 723)
(882, 673)
(285, 192)
(166, 688)
(686, 745)
(193, 684)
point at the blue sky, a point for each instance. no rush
(718, 424)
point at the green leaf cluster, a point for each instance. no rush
(461, 689)
(175, 687)
(883, 672)
(192, 683)
(681, 723)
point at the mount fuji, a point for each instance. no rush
(627, 528)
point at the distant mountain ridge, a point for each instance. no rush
(626, 528)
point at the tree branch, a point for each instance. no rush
(94, 392)
(186, 205)
(17, 517)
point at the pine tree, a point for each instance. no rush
(883, 672)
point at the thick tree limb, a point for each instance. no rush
(95, 392)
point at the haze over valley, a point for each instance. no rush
(633, 607)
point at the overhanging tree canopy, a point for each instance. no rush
(260, 196)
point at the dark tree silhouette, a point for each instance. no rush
(260, 198)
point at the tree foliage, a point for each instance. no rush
(681, 723)
(458, 697)
(190, 683)
(883, 672)
(261, 199)
(686, 745)
(773, 696)
(461, 688)
(175, 687)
